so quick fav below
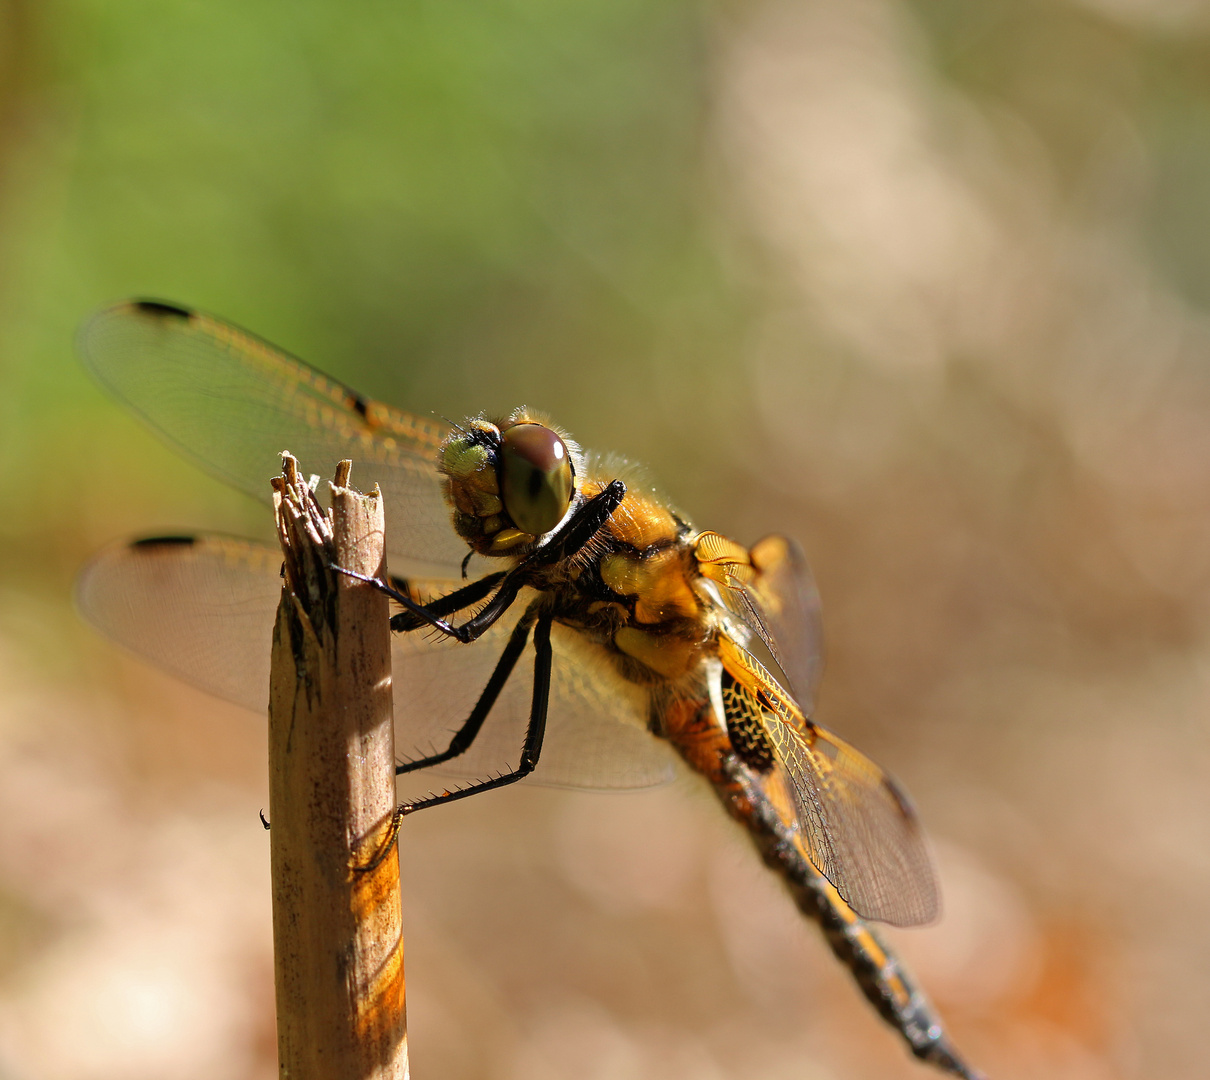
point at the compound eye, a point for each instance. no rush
(535, 477)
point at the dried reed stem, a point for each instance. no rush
(337, 929)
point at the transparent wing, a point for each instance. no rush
(769, 590)
(785, 593)
(202, 608)
(232, 403)
(857, 826)
(595, 737)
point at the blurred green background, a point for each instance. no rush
(923, 284)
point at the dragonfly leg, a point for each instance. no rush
(443, 605)
(583, 524)
(465, 735)
(534, 732)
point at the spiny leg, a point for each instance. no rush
(530, 751)
(448, 604)
(465, 735)
(535, 730)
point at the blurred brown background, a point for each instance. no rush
(923, 284)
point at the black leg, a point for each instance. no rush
(534, 733)
(465, 735)
(578, 531)
(444, 605)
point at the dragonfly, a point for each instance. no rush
(559, 620)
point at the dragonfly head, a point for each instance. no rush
(508, 483)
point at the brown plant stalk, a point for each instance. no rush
(337, 915)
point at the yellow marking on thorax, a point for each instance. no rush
(640, 523)
(657, 582)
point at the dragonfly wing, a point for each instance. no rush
(602, 740)
(788, 599)
(770, 592)
(596, 735)
(202, 608)
(858, 827)
(232, 403)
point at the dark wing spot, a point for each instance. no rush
(741, 709)
(164, 541)
(901, 798)
(359, 405)
(163, 310)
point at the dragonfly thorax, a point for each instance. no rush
(633, 589)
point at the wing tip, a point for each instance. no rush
(912, 904)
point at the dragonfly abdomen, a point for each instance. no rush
(761, 805)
